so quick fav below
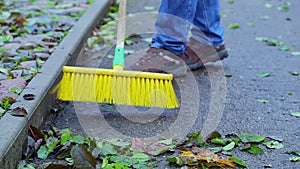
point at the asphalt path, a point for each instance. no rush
(225, 96)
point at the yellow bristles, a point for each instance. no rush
(117, 87)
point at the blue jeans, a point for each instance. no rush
(177, 18)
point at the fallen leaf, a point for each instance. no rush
(234, 26)
(293, 153)
(228, 75)
(273, 144)
(149, 8)
(268, 5)
(295, 159)
(296, 114)
(297, 53)
(248, 138)
(29, 96)
(207, 157)
(150, 146)
(141, 156)
(8, 99)
(255, 150)
(229, 147)
(239, 162)
(263, 74)
(36, 133)
(43, 153)
(268, 166)
(220, 140)
(82, 157)
(19, 111)
(263, 101)
(109, 149)
(284, 48)
(295, 73)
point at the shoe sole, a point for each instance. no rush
(212, 58)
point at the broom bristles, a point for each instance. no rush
(117, 87)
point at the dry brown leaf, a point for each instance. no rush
(19, 111)
(29, 96)
(208, 158)
(9, 99)
(147, 145)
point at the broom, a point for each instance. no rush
(117, 86)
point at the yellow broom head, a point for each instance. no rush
(117, 87)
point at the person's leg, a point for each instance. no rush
(173, 24)
(207, 41)
(207, 20)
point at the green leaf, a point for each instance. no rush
(78, 139)
(70, 161)
(168, 142)
(196, 138)
(221, 141)
(229, 147)
(66, 136)
(175, 160)
(295, 159)
(129, 42)
(295, 73)
(273, 42)
(248, 138)
(15, 90)
(4, 70)
(43, 152)
(297, 53)
(260, 38)
(255, 150)
(293, 153)
(118, 142)
(296, 114)
(6, 38)
(51, 143)
(149, 8)
(263, 74)
(234, 26)
(283, 9)
(268, 5)
(109, 149)
(141, 156)
(289, 93)
(238, 161)
(263, 101)
(284, 48)
(24, 165)
(4, 15)
(228, 75)
(273, 144)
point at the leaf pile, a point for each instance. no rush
(218, 150)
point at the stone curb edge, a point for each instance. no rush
(14, 130)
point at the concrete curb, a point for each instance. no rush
(14, 130)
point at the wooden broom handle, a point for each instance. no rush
(121, 27)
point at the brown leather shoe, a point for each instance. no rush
(197, 54)
(160, 61)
